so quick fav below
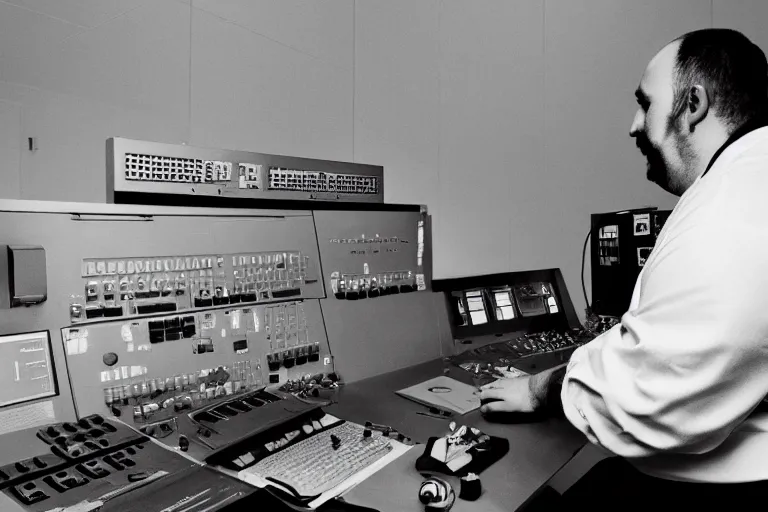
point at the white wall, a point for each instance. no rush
(508, 118)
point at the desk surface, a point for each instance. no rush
(536, 450)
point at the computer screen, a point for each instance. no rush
(26, 368)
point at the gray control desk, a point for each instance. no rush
(536, 450)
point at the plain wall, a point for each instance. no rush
(507, 118)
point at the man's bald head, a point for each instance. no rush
(731, 69)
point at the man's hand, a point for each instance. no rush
(509, 395)
(520, 394)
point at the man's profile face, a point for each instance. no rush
(657, 136)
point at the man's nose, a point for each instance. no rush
(637, 124)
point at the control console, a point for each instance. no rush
(78, 461)
(182, 377)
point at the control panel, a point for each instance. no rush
(139, 293)
(621, 242)
(379, 312)
(372, 254)
(498, 305)
(134, 286)
(491, 361)
(142, 167)
(168, 335)
(155, 372)
(188, 330)
(70, 462)
(481, 306)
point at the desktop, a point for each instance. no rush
(233, 327)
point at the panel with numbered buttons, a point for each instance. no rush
(120, 287)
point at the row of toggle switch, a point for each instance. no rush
(92, 268)
(294, 356)
(254, 278)
(276, 260)
(354, 287)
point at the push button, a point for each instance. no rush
(29, 493)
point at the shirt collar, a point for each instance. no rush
(738, 133)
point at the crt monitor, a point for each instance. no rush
(26, 368)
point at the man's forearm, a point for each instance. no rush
(544, 389)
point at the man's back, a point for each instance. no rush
(720, 226)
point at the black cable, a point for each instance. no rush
(327, 338)
(327, 296)
(583, 257)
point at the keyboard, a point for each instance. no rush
(312, 466)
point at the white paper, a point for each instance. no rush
(398, 449)
(444, 393)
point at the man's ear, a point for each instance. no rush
(698, 105)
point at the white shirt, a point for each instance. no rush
(673, 387)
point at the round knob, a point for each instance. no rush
(426, 496)
(110, 359)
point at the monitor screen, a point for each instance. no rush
(26, 368)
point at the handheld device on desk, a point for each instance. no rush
(462, 451)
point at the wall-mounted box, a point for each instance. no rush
(23, 277)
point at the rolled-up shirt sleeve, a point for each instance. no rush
(688, 363)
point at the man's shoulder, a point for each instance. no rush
(752, 146)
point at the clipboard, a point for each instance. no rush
(444, 393)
